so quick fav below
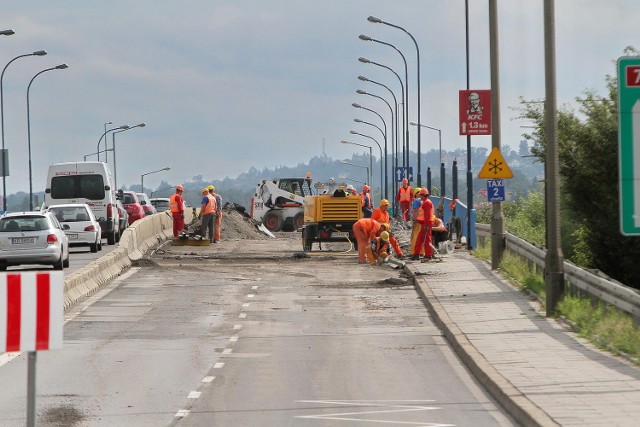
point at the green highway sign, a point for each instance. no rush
(629, 144)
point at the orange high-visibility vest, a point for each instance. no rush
(174, 204)
(380, 216)
(210, 207)
(404, 194)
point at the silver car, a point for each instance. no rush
(32, 238)
(84, 229)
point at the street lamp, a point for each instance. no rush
(7, 33)
(125, 127)
(362, 92)
(369, 177)
(344, 162)
(406, 85)
(113, 148)
(439, 135)
(402, 93)
(149, 173)
(57, 67)
(3, 157)
(353, 132)
(380, 21)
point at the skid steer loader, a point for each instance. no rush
(279, 204)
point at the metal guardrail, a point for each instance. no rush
(621, 296)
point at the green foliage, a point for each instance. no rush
(523, 274)
(587, 147)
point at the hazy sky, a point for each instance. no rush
(228, 85)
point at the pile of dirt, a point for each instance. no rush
(238, 225)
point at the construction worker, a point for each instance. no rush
(367, 206)
(426, 217)
(404, 197)
(207, 210)
(381, 214)
(378, 250)
(217, 217)
(365, 230)
(176, 205)
(438, 232)
(351, 190)
(416, 207)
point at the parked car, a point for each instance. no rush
(148, 208)
(124, 216)
(84, 229)
(33, 238)
(132, 206)
(161, 204)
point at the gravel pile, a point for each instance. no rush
(237, 225)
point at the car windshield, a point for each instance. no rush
(128, 198)
(71, 213)
(160, 203)
(23, 223)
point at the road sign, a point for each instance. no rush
(629, 144)
(31, 311)
(495, 166)
(495, 190)
(475, 112)
(401, 173)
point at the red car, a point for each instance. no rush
(132, 206)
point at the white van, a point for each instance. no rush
(86, 182)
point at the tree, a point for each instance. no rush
(588, 147)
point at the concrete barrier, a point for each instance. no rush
(137, 239)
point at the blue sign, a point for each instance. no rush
(495, 190)
(401, 173)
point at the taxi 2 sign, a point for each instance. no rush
(475, 112)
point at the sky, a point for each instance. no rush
(224, 86)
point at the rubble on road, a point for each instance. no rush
(238, 225)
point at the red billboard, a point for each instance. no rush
(475, 112)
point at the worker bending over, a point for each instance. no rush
(378, 250)
(381, 214)
(365, 230)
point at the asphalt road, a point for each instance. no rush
(246, 333)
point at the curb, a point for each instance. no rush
(506, 394)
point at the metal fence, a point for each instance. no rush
(590, 282)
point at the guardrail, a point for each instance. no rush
(135, 241)
(617, 294)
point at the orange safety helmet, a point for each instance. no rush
(365, 188)
(179, 188)
(384, 202)
(405, 181)
(423, 192)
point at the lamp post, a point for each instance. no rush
(113, 148)
(149, 173)
(362, 92)
(5, 163)
(394, 134)
(344, 162)
(380, 21)
(57, 67)
(353, 132)
(439, 135)
(7, 33)
(406, 86)
(402, 93)
(125, 127)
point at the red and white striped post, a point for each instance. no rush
(31, 319)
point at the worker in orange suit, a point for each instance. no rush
(423, 241)
(416, 212)
(378, 250)
(365, 230)
(404, 197)
(217, 216)
(176, 205)
(381, 214)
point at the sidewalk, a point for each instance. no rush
(539, 371)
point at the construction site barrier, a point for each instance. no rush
(138, 238)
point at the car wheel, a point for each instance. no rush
(111, 238)
(94, 247)
(3, 267)
(65, 263)
(100, 244)
(58, 265)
